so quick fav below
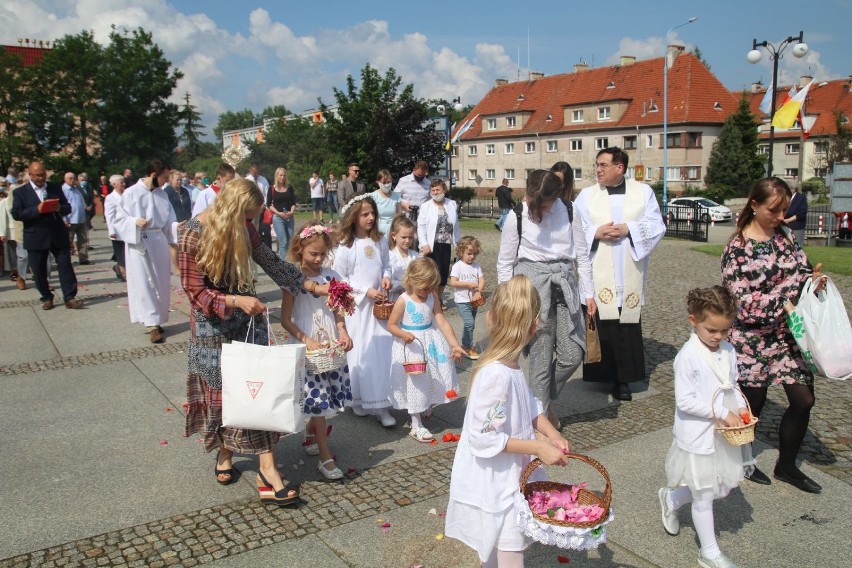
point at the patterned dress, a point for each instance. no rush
(418, 393)
(763, 276)
(213, 323)
(324, 394)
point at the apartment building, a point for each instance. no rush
(526, 125)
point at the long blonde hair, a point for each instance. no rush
(224, 248)
(514, 310)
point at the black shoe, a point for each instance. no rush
(759, 477)
(804, 483)
(621, 391)
(497, 226)
(85, 262)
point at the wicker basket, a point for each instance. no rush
(584, 497)
(410, 366)
(382, 310)
(736, 435)
(476, 302)
(329, 357)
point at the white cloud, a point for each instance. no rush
(647, 48)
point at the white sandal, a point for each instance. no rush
(421, 434)
(330, 474)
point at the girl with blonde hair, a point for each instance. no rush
(498, 437)
(281, 201)
(215, 252)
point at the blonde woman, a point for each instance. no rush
(215, 255)
(282, 202)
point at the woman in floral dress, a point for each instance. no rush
(765, 270)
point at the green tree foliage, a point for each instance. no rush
(839, 147)
(230, 120)
(380, 124)
(734, 163)
(192, 129)
(15, 141)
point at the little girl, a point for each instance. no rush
(362, 260)
(303, 317)
(466, 277)
(402, 233)
(701, 466)
(412, 318)
(498, 437)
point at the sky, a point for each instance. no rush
(254, 53)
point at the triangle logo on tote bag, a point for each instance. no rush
(254, 387)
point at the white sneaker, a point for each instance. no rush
(385, 418)
(670, 520)
(720, 561)
(358, 410)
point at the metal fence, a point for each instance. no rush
(689, 222)
(820, 220)
(481, 207)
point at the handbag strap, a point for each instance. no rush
(272, 340)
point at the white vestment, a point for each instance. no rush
(147, 258)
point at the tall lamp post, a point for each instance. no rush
(775, 53)
(457, 106)
(666, 115)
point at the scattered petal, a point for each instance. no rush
(448, 437)
(439, 536)
(164, 443)
(563, 559)
(416, 566)
(434, 442)
(456, 437)
(433, 511)
(351, 471)
(380, 522)
(385, 527)
(452, 394)
(169, 409)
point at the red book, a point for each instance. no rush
(50, 206)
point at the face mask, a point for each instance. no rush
(438, 198)
(185, 181)
(385, 187)
(419, 178)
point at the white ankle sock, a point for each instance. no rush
(415, 421)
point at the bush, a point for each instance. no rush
(461, 195)
(816, 186)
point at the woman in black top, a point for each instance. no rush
(282, 202)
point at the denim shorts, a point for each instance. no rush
(317, 202)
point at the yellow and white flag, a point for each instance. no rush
(786, 116)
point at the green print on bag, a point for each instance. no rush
(809, 361)
(797, 325)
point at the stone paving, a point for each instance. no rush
(198, 537)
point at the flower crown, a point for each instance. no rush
(351, 202)
(314, 230)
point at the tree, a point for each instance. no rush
(192, 129)
(14, 137)
(137, 120)
(230, 120)
(382, 125)
(696, 51)
(839, 148)
(734, 163)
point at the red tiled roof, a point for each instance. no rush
(692, 91)
(822, 100)
(29, 55)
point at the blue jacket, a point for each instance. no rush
(798, 208)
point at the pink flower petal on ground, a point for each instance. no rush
(164, 443)
(563, 559)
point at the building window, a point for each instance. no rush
(455, 176)
(630, 143)
(791, 148)
(576, 145)
(693, 140)
(763, 149)
(820, 172)
(577, 116)
(604, 113)
(491, 124)
(510, 173)
(674, 140)
(791, 172)
(510, 122)
(471, 150)
(489, 149)
(471, 174)
(578, 174)
(454, 152)
(683, 173)
(649, 140)
(820, 147)
(529, 147)
(527, 173)
(552, 146)
(601, 143)
(693, 173)
(510, 148)
(490, 174)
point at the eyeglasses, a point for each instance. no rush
(356, 171)
(604, 167)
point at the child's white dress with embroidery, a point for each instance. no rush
(398, 264)
(417, 393)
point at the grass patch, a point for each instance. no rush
(834, 259)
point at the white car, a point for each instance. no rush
(698, 207)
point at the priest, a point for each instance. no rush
(146, 222)
(622, 222)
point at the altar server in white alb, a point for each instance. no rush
(146, 222)
(623, 225)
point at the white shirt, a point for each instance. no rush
(413, 192)
(262, 183)
(465, 272)
(111, 204)
(316, 188)
(205, 199)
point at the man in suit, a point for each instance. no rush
(797, 213)
(349, 186)
(45, 234)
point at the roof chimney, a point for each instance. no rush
(580, 67)
(757, 87)
(536, 75)
(672, 51)
(804, 80)
(501, 82)
(627, 60)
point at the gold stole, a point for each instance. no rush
(602, 266)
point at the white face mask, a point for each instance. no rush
(438, 198)
(385, 187)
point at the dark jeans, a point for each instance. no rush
(67, 278)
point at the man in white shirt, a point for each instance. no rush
(224, 174)
(264, 229)
(414, 189)
(76, 221)
(317, 195)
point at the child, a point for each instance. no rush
(498, 437)
(362, 260)
(303, 317)
(402, 233)
(412, 318)
(701, 466)
(466, 277)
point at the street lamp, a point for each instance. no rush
(753, 56)
(666, 115)
(457, 106)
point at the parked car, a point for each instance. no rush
(699, 208)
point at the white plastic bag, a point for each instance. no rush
(821, 328)
(262, 386)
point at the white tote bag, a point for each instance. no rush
(821, 328)
(262, 385)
